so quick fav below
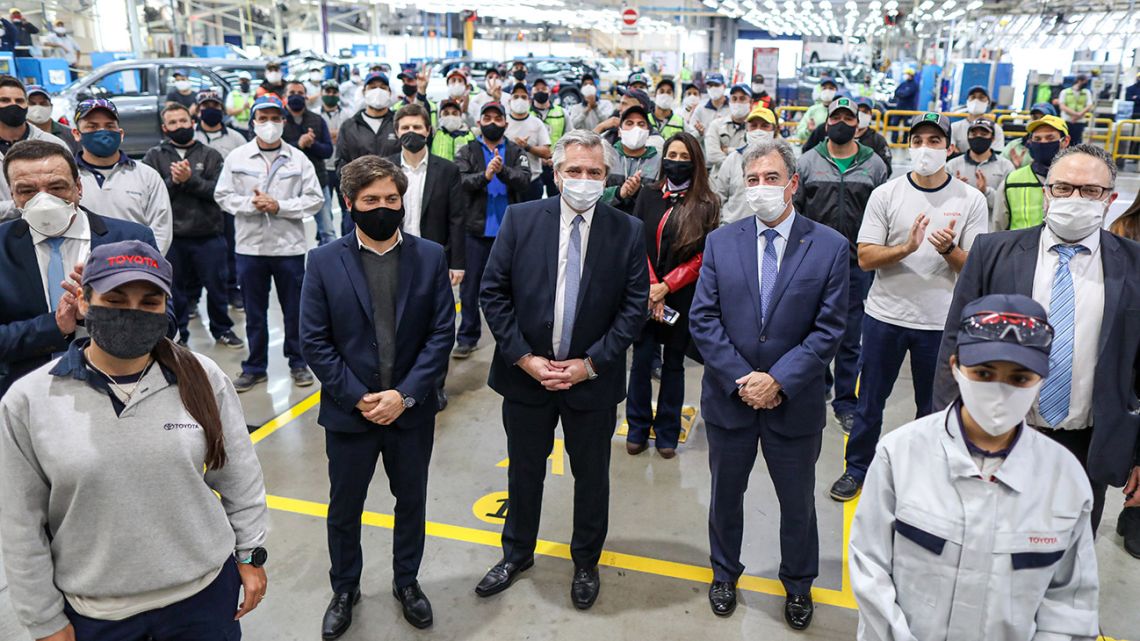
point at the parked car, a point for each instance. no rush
(836, 48)
(611, 73)
(555, 71)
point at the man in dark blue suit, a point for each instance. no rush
(38, 314)
(768, 316)
(1086, 278)
(565, 292)
(377, 325)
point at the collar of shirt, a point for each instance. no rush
(282, 150)
(1017, 471)
(365, 248)
(970, 159)
(569, 214)
(418, 168)
(784, 229)
(974, 449)
(123, 160)
(80, 229)
(1049, 239)
(74, 364)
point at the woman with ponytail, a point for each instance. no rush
(112, 462)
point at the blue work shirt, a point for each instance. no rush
(497, 200)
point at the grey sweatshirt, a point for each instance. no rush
(99, 505)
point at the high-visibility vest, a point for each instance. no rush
(1025, 199)
(555, 122)
(444, 144)
(675, 125)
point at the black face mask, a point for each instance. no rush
(519, 75)
(678, 172)
(540, 97)
(410, 90)
(13, 115)
(840, 133)
(181, 136)
(378, 223)
(1044, 152)
(211, 116)
(980, 145)
(413, 142)
(244, 86)
(493, 132)
(125, 333)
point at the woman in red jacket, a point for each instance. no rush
(679, 211)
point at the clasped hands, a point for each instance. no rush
(555, 376)
(381, 408)
(759, 390)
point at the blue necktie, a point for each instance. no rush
(1055, 392)
(768, 271)
(55, 272)
(570, 297)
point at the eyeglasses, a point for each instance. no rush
(1064, 190)
(1029, 331)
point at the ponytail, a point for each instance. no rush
(197, 397)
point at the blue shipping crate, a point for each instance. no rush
(51, 73)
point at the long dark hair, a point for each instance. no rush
(699, 213)
(1128, 225)
(197, 396)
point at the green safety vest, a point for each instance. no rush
(444, 144)
(430, 106)
(1025, 199)
(1075, 100)
(555, 121)
(238, 99)
(675, 125)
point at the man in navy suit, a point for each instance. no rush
(1086, 278)
(38, 314)
(768, 316)
(565, 293)
(377, 325)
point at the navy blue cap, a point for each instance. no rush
(376, 75)
(492, 106)
(714, 78)
(1045, 108)
(113, 264)
(640, 96)
(978, 88)
(973, 350)
(747, 89)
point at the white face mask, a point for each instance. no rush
(716, 93)
(634, 138)
(519, 106)
(767, 201)
(48, 214)
(977, 107)
(356, 80)
(273, 77)
(665, 101)
(739, 110)
(378, 98)
(826, 95)
(269, 132)
(182, 85)
(864, 120)
(581, 194)
(456, 89)
(927, 160)
(691, 101)
(60, 31)
(39, 114)
(1075, 218)
(589, 91)
(451, 123)
(997, 407)
(759, 135)
(757, 88)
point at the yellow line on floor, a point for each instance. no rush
(286, 417)
(618, 560)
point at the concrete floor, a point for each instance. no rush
(654, 576)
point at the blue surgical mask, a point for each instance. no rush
(296, 102)
(102, 143)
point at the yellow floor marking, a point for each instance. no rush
(557, 459)
(688, 420)
(286, 417)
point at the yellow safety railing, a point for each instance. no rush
(788, 122)
(877, 120)
(1102, 136)
(1120, 137)
(1012, 117)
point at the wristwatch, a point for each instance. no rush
(409, 402)
(257, 557)
(591, 373)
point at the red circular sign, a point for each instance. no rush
(629, 16)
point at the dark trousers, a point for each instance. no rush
(206, 616)
(849, 361)
(1077, 442)
(197, 262)
(530, 439)
(536, 188)
(346, 224)
(670, 395)
(548, 181)
(352, 462)
(884, 348)
(791, 464)
(1076, 132)
(231, 262)
(256, 274)
(471, 323)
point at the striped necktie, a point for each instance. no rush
(1055, 392)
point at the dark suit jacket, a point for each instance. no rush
(1004, 263)
(444, 210)
(28, 333)
(806, 319)
(338, 337)
(518, 299)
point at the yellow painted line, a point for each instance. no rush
(286, 417)
(632, 562)
(848, 517)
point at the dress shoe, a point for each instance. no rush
(1128, 526)
(633, 449)
(584, 588)
(845, 488)
(846, 421)
(667, 452)
(722, 598)
(338, 616)
(798, 609)
(501, 576)
(462, 351)
(417, 608)
(302, 377)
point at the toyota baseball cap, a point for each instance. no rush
(92, 104)
(843, 103)
(113, 264)
(1005, 327)
(931, 119)
(268, 101)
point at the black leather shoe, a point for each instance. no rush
(339, 614)
(845, 488)
(417, 608)
(846, 421)
(722, 598)
(798, 609)
(1128, 526)
(501, 577)
(584, 588)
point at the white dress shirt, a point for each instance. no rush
(1088, 300)
(74, 249)
(566, 221)
(414, 196)
(362, 247)
(783, 229)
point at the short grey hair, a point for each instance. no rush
(778, 146)
(583, 138)
(1087, 150)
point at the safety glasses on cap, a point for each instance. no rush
(1029, 331)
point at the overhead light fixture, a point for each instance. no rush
(975, 5)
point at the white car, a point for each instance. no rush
(611, 73)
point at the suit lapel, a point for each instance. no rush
(550, 229)
(408, 255)
(1025, 263)
(794, 251)
(1113, 264)
(600, 230)
(354, 268)
(748, 256)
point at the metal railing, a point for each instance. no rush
(1132, 137)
